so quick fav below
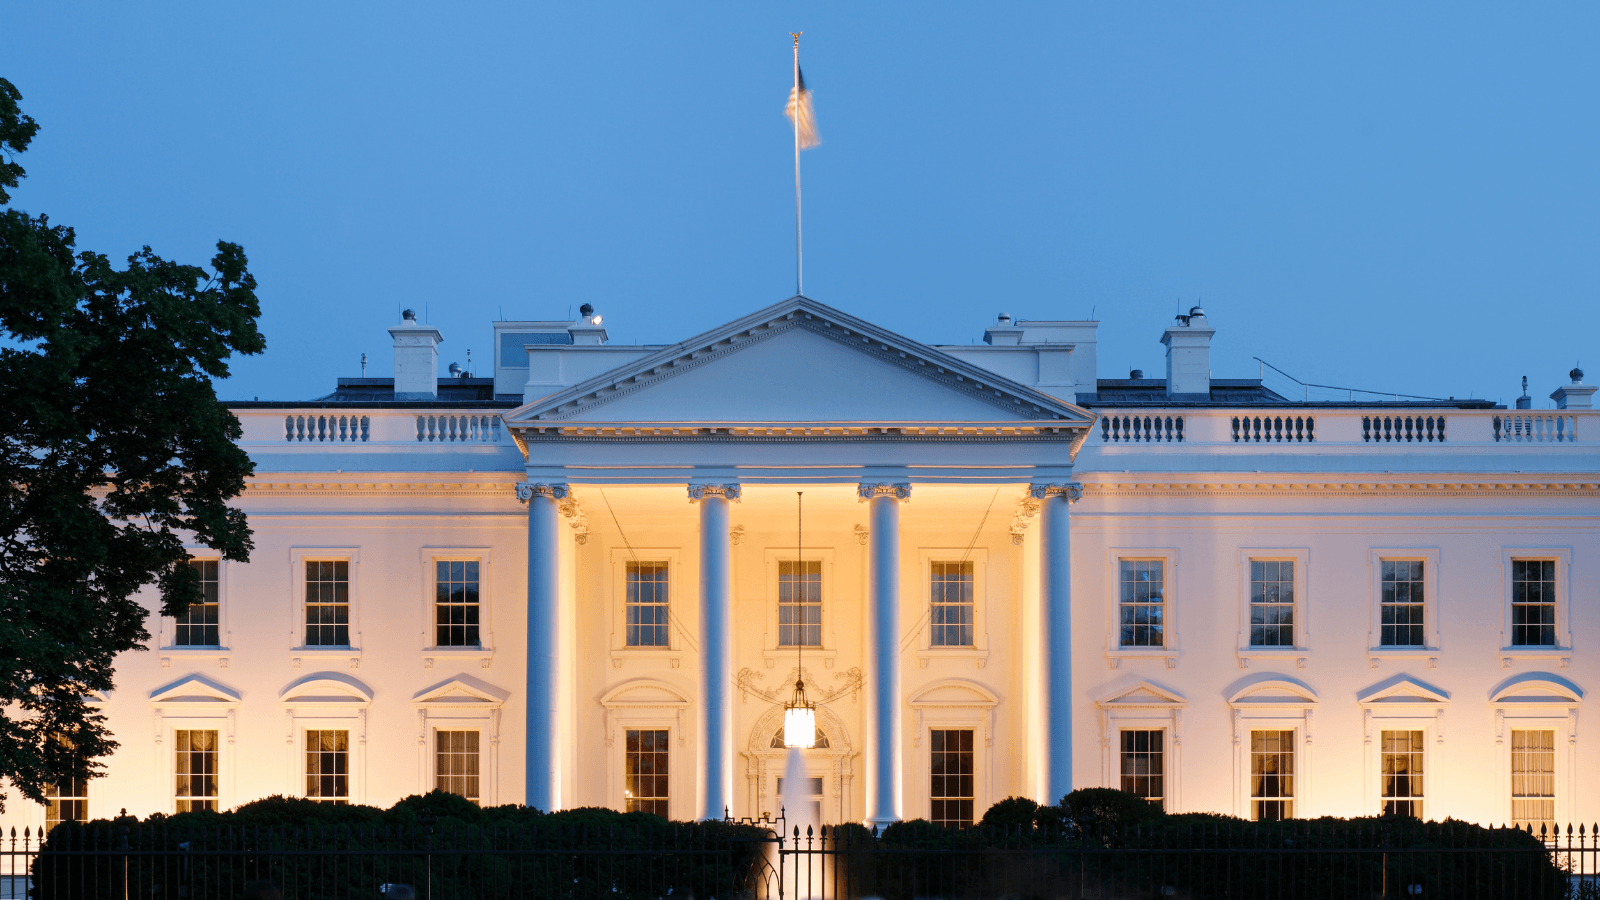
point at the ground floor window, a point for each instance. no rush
(455, 763)
(66, 801)
(196, 769)
(952, 769)
(1533, 779)
(1144, 764)
(328, 765)
(1272, 775)
(645, 771)
(813, 797)
(1402, 773)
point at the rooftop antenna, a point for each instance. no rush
(363, 365)
(469, 362)
(1524, 402)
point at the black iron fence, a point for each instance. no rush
(446, 861)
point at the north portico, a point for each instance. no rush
(685, 464)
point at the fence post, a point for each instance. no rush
(427, 820)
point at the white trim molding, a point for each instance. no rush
(1273, 702)
(649, 703)
(922, 633)
(1300, 651)
(1401, 703)
(196, 702)
(1168, 652)
(431, 653)
(1562, 649)
(951, 703)
(1431, 614)
(680, 597)
(462, 703)
(1148, 706)
(166, 635)
(301, 653)
(1545, 701)
(771, 652)
(332, 701)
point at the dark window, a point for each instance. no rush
(648, 609)
(952, 776)
(951, 614)
(197, 627)
(455, 607)
(800, 603)
(1143, 763)
(1271, 603)
(67, 800)
(1143, 602)
(1533, 602)
(1402, 604)
(327, 603)
(645, 771)
(328, 766)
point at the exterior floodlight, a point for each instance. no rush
(799, 714)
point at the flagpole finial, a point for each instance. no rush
(796, 36)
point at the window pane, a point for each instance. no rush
(1533, 603)
(327, 603)
(197, 627)
(800, 603)
(647, 607)
(645, 772)
(1272, 603)
(328, 766)
(456, 763)
(1401, 773)
(195, 769)
(456, 608)
(1142, 603)
(952, 610)
(951, 765)
(1272, 775)
(1533, 779)
(1143, 765)
(1402, 604)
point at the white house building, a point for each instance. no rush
(586, 581)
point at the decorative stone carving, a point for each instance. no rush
(736, 535)
(900, 490)
(728, 491)
(1027, 508)
(527, 490)
(580, 523)
(862, 534)
(1072, 490)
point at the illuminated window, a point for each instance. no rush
(1143, 763)
(327, 603)
(1271, 775)
(952, 610)
(455, 763)
(800, 603)
(1142, 602)
(645, 771)
(1533, 779)
(196, 769)
(1402, 773)
(813, 798)
(648, 610)
(1403, 604)
(820, 742)
(67, 800)
(197, 627)
(952, 776)
(1533, 603)
(1271, 603)
(328, 766)
(455, 605)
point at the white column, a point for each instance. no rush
(883, 739)
(1055, 601)
(544, 633)
(715, 721)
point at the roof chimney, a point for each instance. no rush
(1003, 333)
(416, 359)
(587, 330)
(1525, 401)
(1188, 343)
(1576, 395)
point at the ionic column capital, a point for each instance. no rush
(528, 490)
(899, 490)
(1072, 490)
(726, 491)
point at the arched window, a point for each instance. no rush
(821, 744)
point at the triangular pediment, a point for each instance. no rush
(196, 690)
(1401, 690)
(1144, 695)
(462, 690)
(799, 361)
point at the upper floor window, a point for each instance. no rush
(800, 603)
(1142, 603)
(1533, 603)
(1272, 603)
(197, 627)
(456, 607)
(327, 603)
(1403, 604)
(952, 610)
(648, 604)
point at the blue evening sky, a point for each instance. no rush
(1400, 196)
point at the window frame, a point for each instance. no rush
(1274, 703)
(1149, 707)
(304, 735)
(1537, 701)
(772, 653)
(1170, 649)
(326, 701)
(166, 637)
(1300, 651)
(1562, 648)
(928, 751)
(428, 559)
(674, 761)
(678, 583)
(924, 649)
(1431, 647)
(432, 740)
(1296, 742)
(1121, 731)
(194, 702)
(299, 650)
(950, 703)
(462, 703)
(1401, 703)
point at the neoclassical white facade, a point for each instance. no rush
(578, 584)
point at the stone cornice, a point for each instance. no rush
(1323, 487)
(792, 432)
(263, 487)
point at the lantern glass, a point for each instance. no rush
(800, 727)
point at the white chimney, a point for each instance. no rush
(587, 330)
(1576, 395)
(1188, 344)
(416, 359)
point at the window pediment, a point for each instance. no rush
(644, 692)
(326, 689)
(461, 691)
(1536, 689)
(1273, 691)
(1143, 695)
(1402, 690)
(954, 692)
(195, 691)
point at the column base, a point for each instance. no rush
(880, 823)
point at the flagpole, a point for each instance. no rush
(799, 279)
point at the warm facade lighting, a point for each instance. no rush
(800, 720)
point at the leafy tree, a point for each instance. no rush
(113, 452)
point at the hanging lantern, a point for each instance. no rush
(799, 720)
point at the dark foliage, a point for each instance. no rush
(115, 452)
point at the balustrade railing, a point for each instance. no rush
(1402, 429)
(325, 429)
(1274, 429)
(1542, 428)
(1118, 429)
(459, 429)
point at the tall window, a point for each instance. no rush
(1142, 602)
(196, 769)
(647, 604)
(67, 800)
(952, 604)
(645, 771)
(455, 607)
(328, 766)
(952, 776)
(1402, 773)
(1533, 602)
(197, 627)
(812, 798)
(327, 603)
(1402, 604)
(1143, 763)
(455, 763)
(1271, 775)
(800, 603)
(1271, 603)
(1533, 779)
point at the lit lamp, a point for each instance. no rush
(799, 714)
